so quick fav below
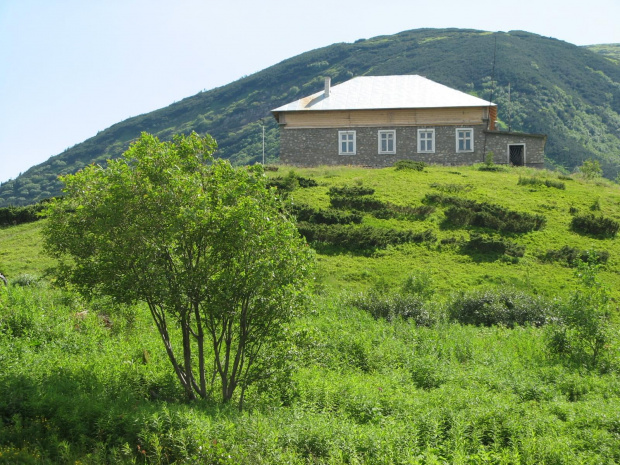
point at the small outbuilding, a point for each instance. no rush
(378, 120)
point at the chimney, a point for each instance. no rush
(328, 83)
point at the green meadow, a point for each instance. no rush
(449, 341)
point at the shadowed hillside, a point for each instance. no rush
(568, 92)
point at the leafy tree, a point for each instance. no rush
(205, 245)
(591, 169)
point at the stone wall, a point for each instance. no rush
(498, 142)
(313, 147)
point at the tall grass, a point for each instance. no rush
(365, 390)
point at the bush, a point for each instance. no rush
(325, 216)
(591, 169)
(290, 182)
(492, 168)
(364, 203)
(572, 256)
(506, 307)
(582, 326)
(593, 225)
(350, 191)
(494, 245)
(12, 216)
(469, 212)
(539, 182)
(410, 165)
(360, 237)
(392, 306)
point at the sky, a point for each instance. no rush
(71, 68)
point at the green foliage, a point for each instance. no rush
(583, 329)
(361, 237)
(533, 181)
(290, 182)
(507, 307)
(463, 212)
(494, 245)
(489, 159)
(305, 213)
(594, 225)
(194, 239)
(350, 191)
(591, 169)
(572, 256)
(12, 216)
(410, 165)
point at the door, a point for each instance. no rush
(516, 154)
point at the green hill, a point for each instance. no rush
(565, 91)
(399, 358)
(611, 51)
(411, 225)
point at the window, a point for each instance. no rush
(346, 142)
(387, 141)
(426, 141)
(464, 140)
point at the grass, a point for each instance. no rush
(89, 382)
(355, 271)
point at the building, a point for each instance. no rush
(378, 120)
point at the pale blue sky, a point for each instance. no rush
(70, 68)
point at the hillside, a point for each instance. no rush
(565, 91)
(394, 361)
(610, 51)
(532, 260)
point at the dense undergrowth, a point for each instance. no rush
(476, 345)
(90, 383)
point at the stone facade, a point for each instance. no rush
(319, 146)
(533, 147)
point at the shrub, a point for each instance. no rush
(582, 326)
(12, 216)
(486, 215)
(393, 305)
(506, 307)
(540, 182)
(591, 169)
(572, 256)
(290, 182)
(360, 237)
(410, 165)
(494, 245)
(594, 225)
(325, 216)
(364, 203)
(492, 168)
(350, 191)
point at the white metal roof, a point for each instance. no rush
(386, 92)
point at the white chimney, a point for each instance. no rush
(328, 83)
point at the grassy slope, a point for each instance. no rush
(363, 390)
(450, 268)
(565, 91)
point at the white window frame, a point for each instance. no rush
(387, 133)
(343, 136)
(432, 139)
(470, 138)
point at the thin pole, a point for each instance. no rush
(263, 124)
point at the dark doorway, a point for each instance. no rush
(516, 155)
